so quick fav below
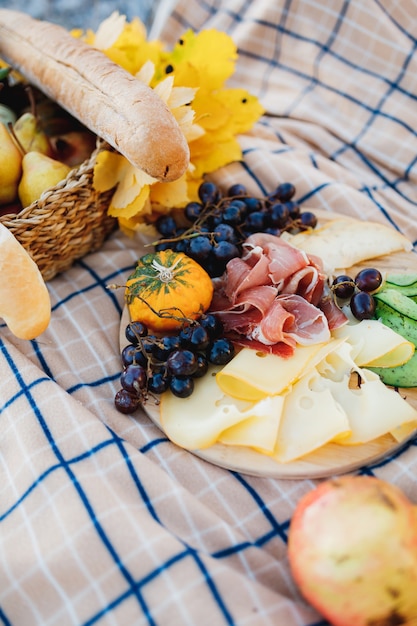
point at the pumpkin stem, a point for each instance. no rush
(165, 274)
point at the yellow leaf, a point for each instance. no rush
(107, 170)
(138, 207)
(171, 195)
(208, 156)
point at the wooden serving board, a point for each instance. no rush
(329, 460)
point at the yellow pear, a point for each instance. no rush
(30, 135)
(39, 173)
(10, 166)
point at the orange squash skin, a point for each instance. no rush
(167, 288)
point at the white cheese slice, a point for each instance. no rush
(260, 430)
(311, 419)
(196, 422)
(372, 409)
(375, 345)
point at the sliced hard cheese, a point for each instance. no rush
(372, 409)
(260, 430)
(252, 375)
(344, 242)
(311, 419)
(375, 345)
(196, 422)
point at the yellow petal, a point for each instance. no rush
(212, 52)
(138, 207)
(245, 109)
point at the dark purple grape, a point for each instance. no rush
(233, 214)
(134, 330)
(225, 232)
(224, 251)
(181, 386)
(220, 351)
(252, 204)
(294, 209)
(182, 245)
(164, 346)
(209, 193)
(133, 354)
(148, 344)
(194, 337)
(125, 402)
(133, 378)
(278, 215)
(368, 279)
(212, 324)
(255, 222)
(193, 210)
(362, 305)
(237, 190)
(202, 366)
(182, 363)
(199, 247)
(306, 220)
(343, 287)
(284, 192)
(158, 382)
(166, 226)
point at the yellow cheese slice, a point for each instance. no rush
(311, 418)
(344, 242)
(258, 431)
(372, 409)
(196, 422)
(375, 345)
(252, 375)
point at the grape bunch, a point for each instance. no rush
(216, 226)
(358, 291)
(154, 364)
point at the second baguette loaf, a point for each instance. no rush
(99, 93)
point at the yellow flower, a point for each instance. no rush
(190, 79)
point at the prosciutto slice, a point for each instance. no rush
(275, 295)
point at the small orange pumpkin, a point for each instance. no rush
(166, 287)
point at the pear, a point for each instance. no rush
(10, 166)
(7, 115)
(30, 135)
(39, 173)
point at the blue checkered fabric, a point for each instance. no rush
(102, 519)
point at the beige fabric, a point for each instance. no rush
(102, 519)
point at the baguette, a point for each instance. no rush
(104, 97)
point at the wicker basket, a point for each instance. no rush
(66, 222)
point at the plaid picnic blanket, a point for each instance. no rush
(102, 519)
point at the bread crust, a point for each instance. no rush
(108, 100)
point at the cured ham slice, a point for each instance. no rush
(274, 295)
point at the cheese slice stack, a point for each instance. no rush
(287, 408)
